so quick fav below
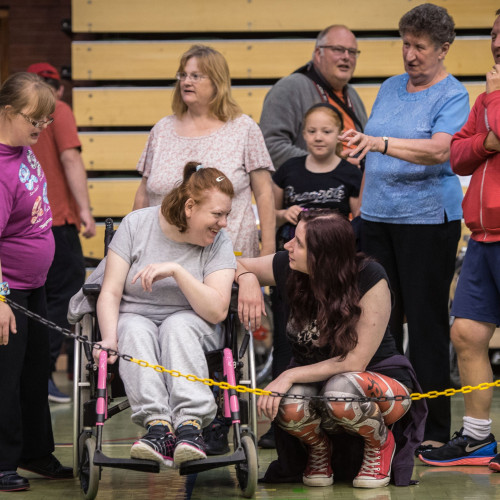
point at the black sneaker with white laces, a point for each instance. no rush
(158, 445)
(190, 445)
(461, 450)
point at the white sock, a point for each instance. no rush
(477, 428)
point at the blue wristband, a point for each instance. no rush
(4, 288)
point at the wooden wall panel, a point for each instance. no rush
(112, 150)
(141, 106)
(112, 197)
(152, 60)
(261, 15)
(119, 62)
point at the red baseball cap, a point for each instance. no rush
(45, 70)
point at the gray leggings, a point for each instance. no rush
(179, 342)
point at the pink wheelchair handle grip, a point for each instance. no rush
(231, 403)
(101, 405)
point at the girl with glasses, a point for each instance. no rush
(26, 252)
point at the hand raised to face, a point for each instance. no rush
(493, 79)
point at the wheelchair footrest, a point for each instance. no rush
(194, 466)
(126, 463)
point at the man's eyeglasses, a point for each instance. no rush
(37, 123)
(339, 50)
(194, 77)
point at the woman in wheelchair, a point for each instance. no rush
(338, 307)
(167, 282)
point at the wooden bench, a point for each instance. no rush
(248, 59)
(144, 106)
(112, 197)
(112, 150)
(159, 16)
(94, 247)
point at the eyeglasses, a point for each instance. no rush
(37, 123)
(340, 51)
(194, 77)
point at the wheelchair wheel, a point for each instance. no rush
(247, 472)
(89, 473)
(81, 392)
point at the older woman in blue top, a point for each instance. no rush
(411, 206)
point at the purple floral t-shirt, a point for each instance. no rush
(26, 241)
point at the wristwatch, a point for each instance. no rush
(4, 288)
(386, 144)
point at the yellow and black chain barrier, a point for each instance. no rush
(415, 396)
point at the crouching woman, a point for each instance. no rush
(338, 305)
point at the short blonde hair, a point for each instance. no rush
(213, 64)
(22, 90)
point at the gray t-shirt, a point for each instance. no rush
(140, 241)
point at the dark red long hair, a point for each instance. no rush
(329, 294)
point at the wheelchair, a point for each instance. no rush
(99, 395)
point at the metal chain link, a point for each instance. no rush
(415, 396)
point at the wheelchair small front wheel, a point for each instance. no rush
(89, 473)
(247, 472)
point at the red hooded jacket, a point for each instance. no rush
(468, 156)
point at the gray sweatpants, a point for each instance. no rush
(179, 343)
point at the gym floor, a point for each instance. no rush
(119, 434)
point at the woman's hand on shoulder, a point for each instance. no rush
(155, 272)
(7, 323)
(362, 143)
(268, 405)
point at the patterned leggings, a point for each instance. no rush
(311, 420)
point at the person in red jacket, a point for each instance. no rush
(475, 151)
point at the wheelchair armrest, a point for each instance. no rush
(233, 305)
(91, 289)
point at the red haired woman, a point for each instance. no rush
(167, 282)
(338, 306)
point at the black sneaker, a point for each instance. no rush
(158, 445)
(10, 480)
(494, 464)
(423, 448)
(461, 450)
(215, 437)
(267, 440)
(190, 445)
(48, 467)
